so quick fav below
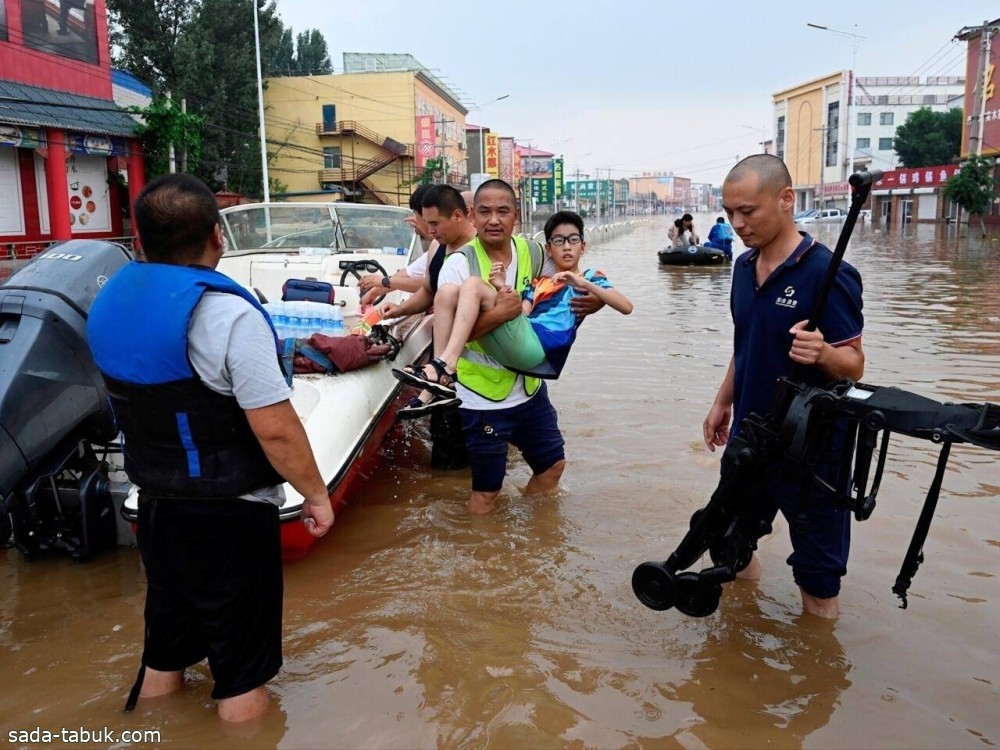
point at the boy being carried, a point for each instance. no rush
(536, 342)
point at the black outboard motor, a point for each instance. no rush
(53, 404)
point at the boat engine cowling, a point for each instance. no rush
(53, 403)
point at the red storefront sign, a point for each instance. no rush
(916, 178)
(989, 108)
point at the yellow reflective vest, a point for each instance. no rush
(477, 371)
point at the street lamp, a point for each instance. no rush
(856, 40)
(479, 108)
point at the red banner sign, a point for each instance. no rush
(917, 178)
(425, 139)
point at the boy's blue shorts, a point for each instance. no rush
(532, 427)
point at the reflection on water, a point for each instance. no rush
(414, 625)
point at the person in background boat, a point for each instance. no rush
(773, 291)
(190, 360)
(447, 217)
(538, 341)
(682, 233)
(500, 407)
(411, 278)
(720, 237)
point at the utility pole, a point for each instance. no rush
(444, 175)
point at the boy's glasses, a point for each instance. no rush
(570, 239)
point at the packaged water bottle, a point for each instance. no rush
(314, 316)
(337, 329)
(294, 319)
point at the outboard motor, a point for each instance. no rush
(53, 404)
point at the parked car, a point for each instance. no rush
(823, 216)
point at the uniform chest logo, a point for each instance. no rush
(787, 300)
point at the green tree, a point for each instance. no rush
(203, 51)
(217, 66)
(974, 187)
(163, 124)
(144, 37)
(282, 62)
(929, 138)
(312, 55)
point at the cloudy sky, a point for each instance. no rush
(639, 85)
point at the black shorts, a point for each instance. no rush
(215, 589)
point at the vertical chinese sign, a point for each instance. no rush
(557, 174)
(982, 116)
(493, 155)
(507, 160)
(425, 139)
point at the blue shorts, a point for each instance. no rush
(531, 427)
(820, 545)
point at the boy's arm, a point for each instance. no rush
(605, 295)
(608, 296)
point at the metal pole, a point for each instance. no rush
(260, 109)
(482, 154)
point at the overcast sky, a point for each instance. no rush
(638, 85)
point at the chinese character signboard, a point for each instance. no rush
(425, 139)
(990, 106)
(507, 160)
(557, 176)
(542, 190)
(493, 155)
(930, 177)
(517, 171)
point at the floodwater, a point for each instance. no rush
(413, 625)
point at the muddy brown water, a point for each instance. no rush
(413, 625)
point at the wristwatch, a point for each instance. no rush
(385, 282)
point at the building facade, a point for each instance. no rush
(69, 159)
(364, 136)
(809, 136)
(882, 104)
(815, 121)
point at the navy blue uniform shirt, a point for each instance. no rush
(764, 315)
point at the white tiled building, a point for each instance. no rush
(882, 104)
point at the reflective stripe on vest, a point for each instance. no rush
(477, 371)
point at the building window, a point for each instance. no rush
(885, 118)
(331, 157)
(885, 144)
(864, 143)
(864, 118)
(832, 129)
(780, 138)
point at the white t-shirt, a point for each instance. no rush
(418, 268)
(232, 349)
(455, 271)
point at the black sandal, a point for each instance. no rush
(444, 385)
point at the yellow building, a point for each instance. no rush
(811, 133)
(363, 136)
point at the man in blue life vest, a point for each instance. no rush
(720, 236)
(191, 364)
(773, 291)
(500, 407)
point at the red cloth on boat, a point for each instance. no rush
(346, 352)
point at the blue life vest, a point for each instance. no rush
(182, 439)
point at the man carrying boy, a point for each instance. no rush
(500, 406)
